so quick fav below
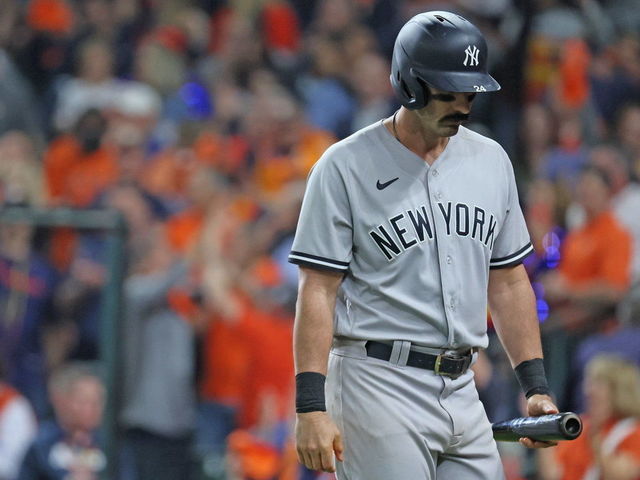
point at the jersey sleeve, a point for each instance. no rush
(513, 242)
(324, 238)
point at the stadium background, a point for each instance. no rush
(199, 121)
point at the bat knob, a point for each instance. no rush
(572, 426)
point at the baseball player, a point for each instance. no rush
(406, 228)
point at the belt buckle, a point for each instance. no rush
(436, 367)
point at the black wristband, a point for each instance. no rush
(310, 392)
(532, 379)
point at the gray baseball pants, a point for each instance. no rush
(406, 423)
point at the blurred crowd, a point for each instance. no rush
(199, 120)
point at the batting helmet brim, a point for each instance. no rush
(457, 81)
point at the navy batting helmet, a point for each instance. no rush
(442, 50)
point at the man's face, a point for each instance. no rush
(445, 111)
(81, 408)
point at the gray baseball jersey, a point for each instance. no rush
(414, 241)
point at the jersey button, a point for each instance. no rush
(435, 173)
(439, 195)
(449, 259)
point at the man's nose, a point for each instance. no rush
(462, 103)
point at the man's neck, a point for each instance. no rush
(424, 143)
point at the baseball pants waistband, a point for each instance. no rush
(404, 353)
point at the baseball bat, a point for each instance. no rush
(559, 426)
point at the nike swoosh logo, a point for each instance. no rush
(382, 186)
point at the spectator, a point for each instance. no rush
(67, 447)
(618, 338)
(593, 275)
(132, 121)
(27, 286)
(78, 167)
(205, 192)
(565, 160)
(328, 103)
(82, 288)
(615, 78)
(609, 446)
(538, 135)
(595, 263)
(21, 173)
(373, 91)
(159, 407)
(284, 145)
(626, 195)
(95, 85)
(17, 429)
(335, 18)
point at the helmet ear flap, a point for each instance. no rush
(410, 90)
(426, 93)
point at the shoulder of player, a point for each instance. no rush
(345, 152)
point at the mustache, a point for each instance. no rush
(458, 117)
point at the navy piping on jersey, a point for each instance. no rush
(512, 259)
(316, 261)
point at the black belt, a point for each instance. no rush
(449, 365)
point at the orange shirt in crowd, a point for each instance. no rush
(167, 174)
(183, 229)
(270, 339)
(247, 357)
(54, 16)
(600, 250)
(75, 178)
(272, 172)
(252, 457)
(227, 154)
(244, 358)
(281, 29)
(575, 457)
(226, 360)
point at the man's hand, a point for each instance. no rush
(539, 405)
(317, 438)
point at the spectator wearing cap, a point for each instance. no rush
(131, 132)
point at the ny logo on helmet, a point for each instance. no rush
(471, 56)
